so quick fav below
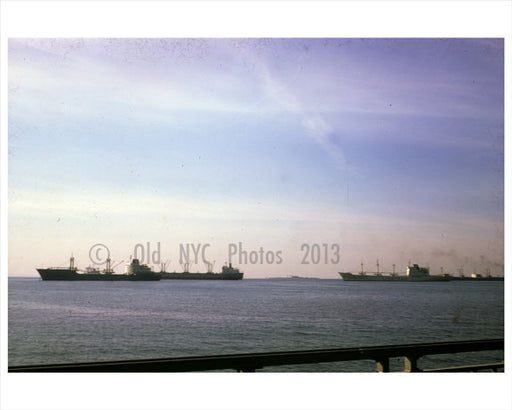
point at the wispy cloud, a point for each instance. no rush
(280, 95)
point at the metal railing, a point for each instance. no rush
(250, 362)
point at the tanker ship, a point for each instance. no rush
(134, 272)
(227, 273)
(414, 273)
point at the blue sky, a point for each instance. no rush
(390, 148)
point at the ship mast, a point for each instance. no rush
(108, 267)
(209, 266)
(163, 266)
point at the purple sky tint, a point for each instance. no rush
(391, 148)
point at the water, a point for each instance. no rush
(60, 322)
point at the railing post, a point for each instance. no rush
(411, 364)
(382, 365)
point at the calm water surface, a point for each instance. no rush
(59, 322)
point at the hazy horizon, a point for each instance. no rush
(391, 149)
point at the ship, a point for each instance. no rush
(414, 273)
(227, 273)
(476, 277)
(133, 272)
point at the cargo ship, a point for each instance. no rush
(133, 272)
(227, 273)
(414, 273)
(477, 278)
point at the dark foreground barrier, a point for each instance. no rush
(252, 361)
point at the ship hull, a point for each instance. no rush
(347, 276)
(73, 275)
(484, 279)
(202, 276)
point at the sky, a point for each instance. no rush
(361, 149)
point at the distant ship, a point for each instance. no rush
(414, 274)
(475, 277)
(134, 271)
(227, 273)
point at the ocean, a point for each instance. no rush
(62, 322)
